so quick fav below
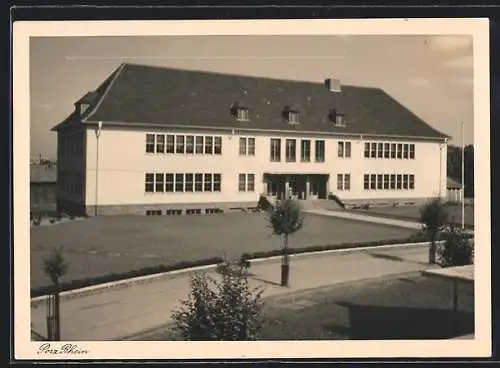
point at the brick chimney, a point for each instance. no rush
(333, 84)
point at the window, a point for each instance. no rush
(217, 182)
(179, 144)
(170, 143)
(405, 181)
(275, 149)
(366, 181)
(339, 120)
(398, 181)
(373, 181)
(241, 182)
(386, 150)
(348, 149)
(190, 144)
(320, 151)
(159, 183)
(380, 150)
(251, 146)
(393, 181)
(341, 149)
(242, 114)
(291, 150)
(393, 150)
(150, 143)
(379, 181)
(305, 150)
(150, 187)
(250, 182)
(399, 152)
(344, 149)
(340, 181)
(347, 181)
(160, 143)
(169, 182)
(209, 149)
(412, 151)
(198, 182)
(199, 145)
(405, 151)
(243, 146)
(293, 117)
(411, 181)
(179, 182)
(189, 182)
(207, 184)
(367, 150)
(373, 150)
(386, 181)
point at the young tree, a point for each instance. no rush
(55, 266)
(434, 217)
(225, 310)
(286, 218)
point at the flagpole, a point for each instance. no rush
(463, 178)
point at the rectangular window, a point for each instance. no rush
(209, 145)
(179, 182)
(386, 181)
(347, 181)
(179, 144)
(412, 151)
(400, 150)
(399, 181)
(275, 149)
(170, 143)
(241, 182)
(393, 181)
(380, 184)
(405, 181)
(150, 185)
(159, 183)
(367, 150)
(305, 150)
(251, 146)
(340, 182)
(217, 182)
(293, 117)
(199, 145)
(291, 150)
(373, 150)
(150, 143)
(160, 143)
(320, 151)
(198, 182)
(242, 114)
(250, 182)
(243, 146)
(189, 183)
(340, 149)
(348, 149)
(405, 151)
(169, 182)
(393, 150)
(386, 150)
(411, 182)
(373, 181)
(190, 144)
(380, 150)
(218, 145)
(207, 184)
(366, 181)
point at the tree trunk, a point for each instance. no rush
(57, 313)
(432, 251)
(285, 265)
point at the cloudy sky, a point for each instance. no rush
(431, 75)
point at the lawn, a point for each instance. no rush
(413, 213)
(115, 244)
(410, 307)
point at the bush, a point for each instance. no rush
(52, 220)
(226, 310)
(457, 250)
(37, 220)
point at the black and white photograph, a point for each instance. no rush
(289, 189)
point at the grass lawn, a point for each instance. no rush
(413, 212)
(409, 307)
(113, 244)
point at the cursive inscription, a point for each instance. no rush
(47, 348)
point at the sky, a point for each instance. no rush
(431, 75)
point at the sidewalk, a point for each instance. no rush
(116, 313)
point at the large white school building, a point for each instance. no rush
(161, 139)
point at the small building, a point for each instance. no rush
(43, 188)
(454, 191)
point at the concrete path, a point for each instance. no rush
(366, 218)
(116, 313)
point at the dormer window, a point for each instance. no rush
(336, 118)
(240, 113)
(293, 117)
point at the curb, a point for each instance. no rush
(148, 278)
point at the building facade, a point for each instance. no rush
(157, 139)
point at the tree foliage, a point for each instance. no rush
(457, 250)
(55, 265)
(224, 310)
(286, 217)
(454, 167)
(434, 217)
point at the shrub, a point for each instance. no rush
(72, 217)
(226, 310)
(52, 220)
(457, 250)
(37, 220)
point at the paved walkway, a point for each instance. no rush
(367, 218)
(116, 313)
